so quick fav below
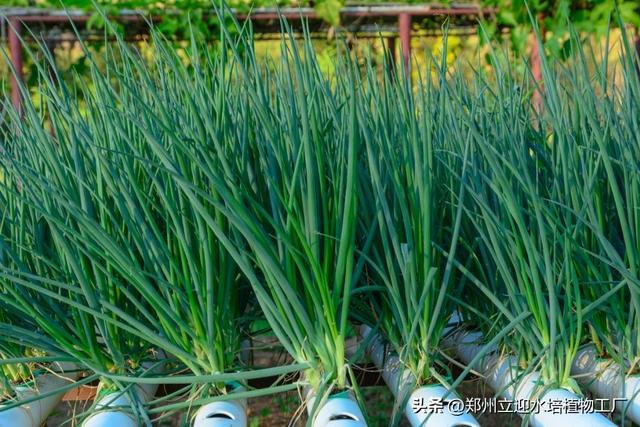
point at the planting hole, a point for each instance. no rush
(224, 415)
(343, 417)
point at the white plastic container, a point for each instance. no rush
(35, 413)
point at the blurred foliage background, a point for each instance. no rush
(511, 26)
(589, 16)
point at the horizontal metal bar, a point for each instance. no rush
(57, 16)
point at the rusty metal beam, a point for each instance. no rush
(15, 50)
(368, 12)
(265, 14)
(78, 19)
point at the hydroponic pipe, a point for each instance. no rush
(35, 413)
(447, 412)
(502, 374)
(113, 408)
(231, 413)
(339, 410)
(605, 379)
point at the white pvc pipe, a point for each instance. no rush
(450, 410)
(228, 413)
(114, 408)
(427, 406)
(392, 371)
(337, 411)
(231, 413)
(502, 374)
(35, 413)
(605, 379)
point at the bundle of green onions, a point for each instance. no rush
(290, 191)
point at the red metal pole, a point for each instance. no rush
(536, 62)
(536, 67)
(638, 51)
(404, 28)
(15, 49)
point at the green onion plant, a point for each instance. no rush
(415, 149)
